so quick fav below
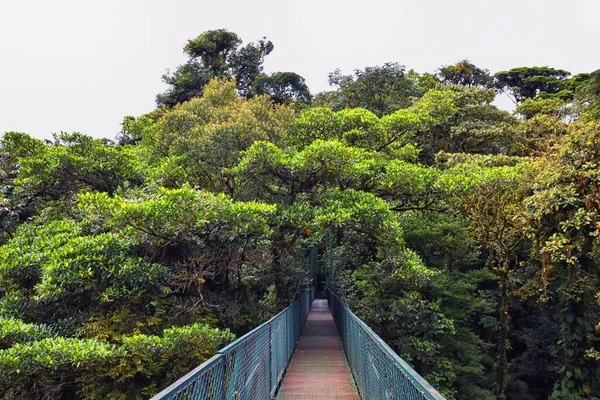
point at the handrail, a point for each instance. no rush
(378, 371)
(250, 367)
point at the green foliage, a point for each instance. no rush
(75, 162)
(63, 274)
(529, 82)
(209, 242)
(187, 82)
(361, 128)
(19, 145)
(355, 127)
(588, 95)
(464, 120)
(134, 130)
(283, 176)
(66, 367)
(448, 160)
(562, 215)
(209, 134)
(14, 206)
(386, 295)
(14, 331)
(22, 257)
(540, 133)
(100, 267)
(148, 363)
(282, 87)
(443, 241)
(247, 66)
(179, 215)
(550, 106)
(465, 73)
(217, 54)
(51, 367)
(315, 123)
(380, 89)
(213, 48)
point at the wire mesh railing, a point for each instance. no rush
(252, 366)
(378, 371)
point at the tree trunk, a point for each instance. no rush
(276, 254)
(502, 368)
(277, 278)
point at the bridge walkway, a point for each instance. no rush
(319, 368)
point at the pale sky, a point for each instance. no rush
(81, 65)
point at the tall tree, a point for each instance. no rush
(562, 216)
(247, 64)
(492, 198)
(214, 54)
(465, 73)
(217, 54)
(283, 87)
(529, 82)
(213, 48)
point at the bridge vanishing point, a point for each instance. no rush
(314, 349)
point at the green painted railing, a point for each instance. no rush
(249, 368)
(378, 371)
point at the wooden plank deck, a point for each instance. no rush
(319, 368)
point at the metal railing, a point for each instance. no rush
(252, 366)
(378, 371)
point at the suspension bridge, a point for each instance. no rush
(314, 349)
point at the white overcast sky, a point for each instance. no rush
(81, 65)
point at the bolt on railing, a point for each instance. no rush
(252, 366)
(378, 371)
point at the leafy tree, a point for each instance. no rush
(77, 275)
(298, 182)
(14, 331)
(562, 216)
(134, 130)
(550, 106)
(213, 48)
(211, 244)
(529, 82)
(492, 198)
(540, 134)
(214, 54)
(75, 162)
(218, 54)
(465, 73)
(282, 87)
(188, 81)
(356, 127)
(380, 89)
(361, 128)
(206, 136)
(463, 119)
(247, 66)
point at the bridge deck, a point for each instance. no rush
(318, 369)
